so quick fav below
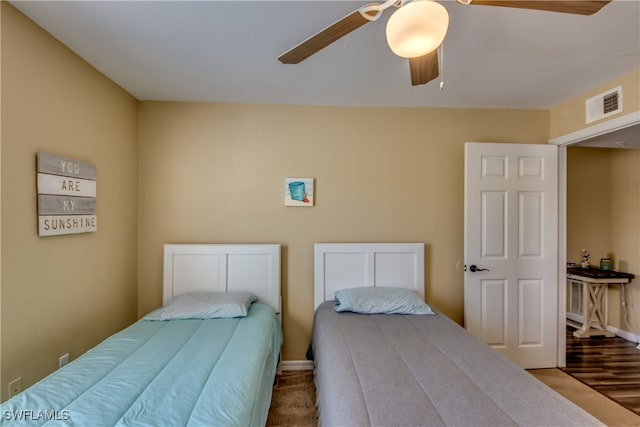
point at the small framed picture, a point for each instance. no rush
(298, 192)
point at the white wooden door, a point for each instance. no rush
(511, 241)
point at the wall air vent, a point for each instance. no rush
(604, 105)
(610, 102)
(576, 298)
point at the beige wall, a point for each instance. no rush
(603, 216)
(215, 173)
(570, 116)
(65, 293)
(625, 231)
(589, 200)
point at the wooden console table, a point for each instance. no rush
(594, 284)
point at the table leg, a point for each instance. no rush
(593, 298)
(583, 332)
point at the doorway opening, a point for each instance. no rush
(599, 188)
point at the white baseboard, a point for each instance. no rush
(578, 318)
(296, 365)
(629, 336)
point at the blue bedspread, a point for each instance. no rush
(216, 372)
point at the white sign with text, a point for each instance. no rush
(66, 195)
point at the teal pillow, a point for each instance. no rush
(380, 300)
(204, 305)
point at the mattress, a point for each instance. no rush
(410, 370)
(163, 373)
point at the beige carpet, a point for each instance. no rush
(293, 401)
(606, 410)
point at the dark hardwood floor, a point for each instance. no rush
(608, 365)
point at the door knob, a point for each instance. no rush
(475, 268)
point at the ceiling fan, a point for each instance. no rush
(418, 28)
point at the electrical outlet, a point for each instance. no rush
(63, 360)
(15, 387)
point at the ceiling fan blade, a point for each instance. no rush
(580, 7)
(424, 68)
(325, 37)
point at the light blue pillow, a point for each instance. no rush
(204, 305)
(380, 300)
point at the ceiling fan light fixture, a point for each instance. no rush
(417, 28)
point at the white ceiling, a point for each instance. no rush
(225, 51)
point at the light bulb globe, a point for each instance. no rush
(417, 28)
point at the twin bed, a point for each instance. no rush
(411, 369)
(370, 369)
(208, 362)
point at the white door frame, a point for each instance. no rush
(563, 142)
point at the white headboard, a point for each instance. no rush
(223, 268)
(350, 265)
